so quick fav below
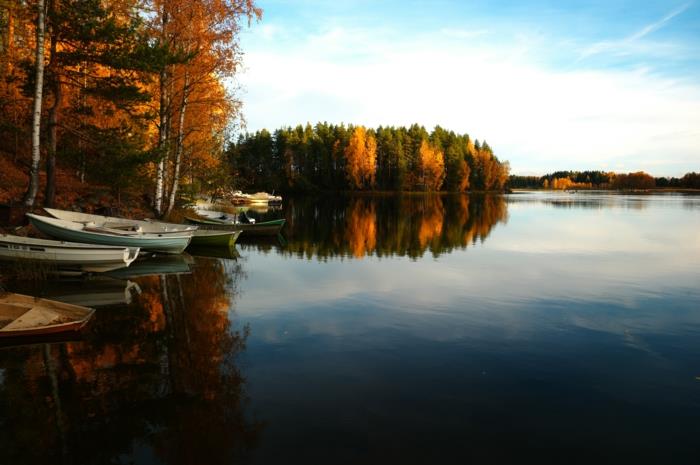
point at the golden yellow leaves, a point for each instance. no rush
(432, 166)
(361, 159)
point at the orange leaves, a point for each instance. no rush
(638, 180)
(432, 164)
(361, 159)
(565, 183)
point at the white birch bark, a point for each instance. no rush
(36, 112)
(180, 143)
(162, 142)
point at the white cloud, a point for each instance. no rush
(536, 117)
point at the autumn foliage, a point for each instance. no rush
(638, 180)
(361, 158)
(432, 166)
(339, 157)
(133, 94)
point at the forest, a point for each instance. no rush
(354, 158)
(561, 180)
(128, 94)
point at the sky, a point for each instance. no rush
(551, 85)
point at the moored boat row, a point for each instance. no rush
(96, 243)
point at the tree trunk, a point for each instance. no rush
(83, 159)
(179, 147)
(36, 112)
(162, 143)
(163, 125)
(50, 192)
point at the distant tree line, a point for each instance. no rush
(560, 180)
(340, 157)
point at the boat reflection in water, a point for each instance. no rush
(92, 291)
(154, 381)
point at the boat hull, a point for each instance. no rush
(85, 257)
(214, 238)
(172, 243)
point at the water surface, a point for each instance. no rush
(418, 329)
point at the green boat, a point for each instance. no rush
(214, 238)
(265, 228)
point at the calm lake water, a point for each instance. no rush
(549, 327)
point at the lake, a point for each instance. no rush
(545, 326)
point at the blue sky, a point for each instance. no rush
(611, 85)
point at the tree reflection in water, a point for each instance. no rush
(407, 225)
(153, 382)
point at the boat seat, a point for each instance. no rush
(123, 226)
(10, 312)
(35, 317)
(116, 232)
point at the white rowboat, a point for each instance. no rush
(85, 257)
(125, 224)
(172, 243)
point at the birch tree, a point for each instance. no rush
(37, 100)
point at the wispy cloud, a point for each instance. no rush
(627, 44)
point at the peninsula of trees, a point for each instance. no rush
(339, 157)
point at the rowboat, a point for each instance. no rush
(228, 223)
(223, 217)
(22, 315)
(172, 242)
(214, 238)
(260, 198)
(126, 224)
(85, 257)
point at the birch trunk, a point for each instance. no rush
(162, 142)
(50, 192)
(36, 112)
(180, 143)
(163, 121)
